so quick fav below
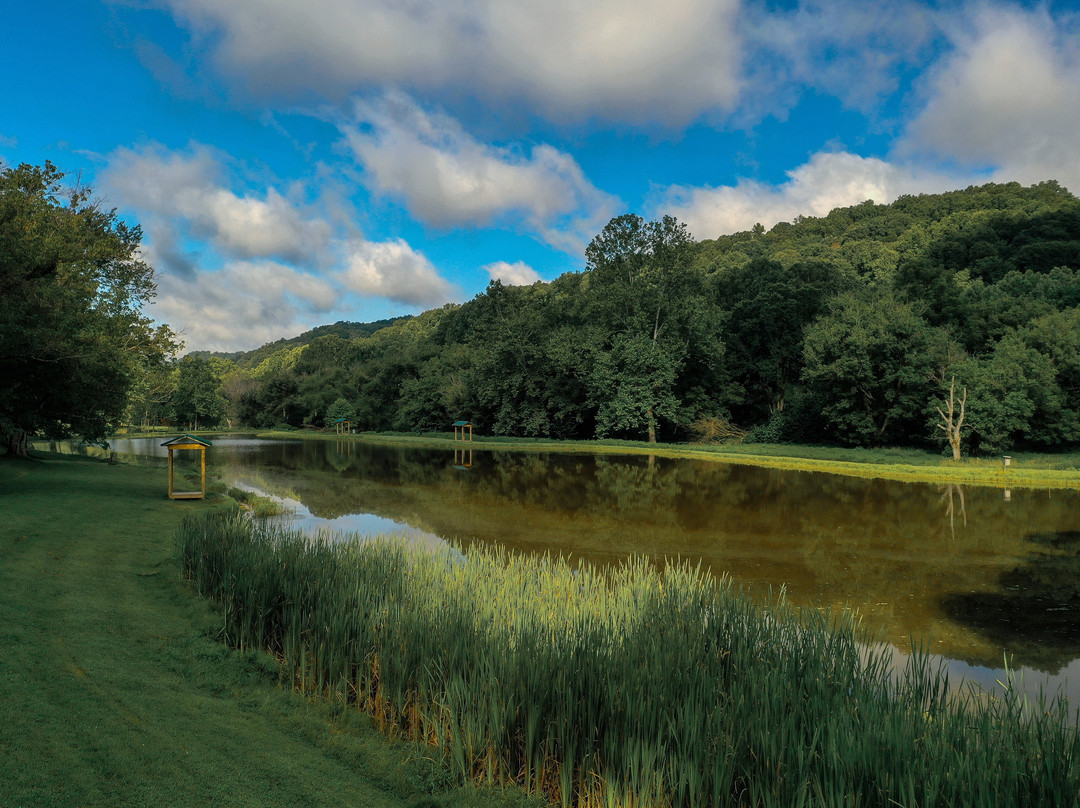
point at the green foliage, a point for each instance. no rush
(73, 340)
(197, 398)
(871, 360)
(651, 307)
(339, 410)
(841, 328)
(769, 309)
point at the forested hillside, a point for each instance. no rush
(343, 329)
(849, 329)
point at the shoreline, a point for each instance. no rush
(969, 471)
(1027, 470)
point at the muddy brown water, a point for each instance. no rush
(973, 576)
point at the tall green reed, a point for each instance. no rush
(629, 687)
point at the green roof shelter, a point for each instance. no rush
(187, 443)
(342, 426)
(462, 426)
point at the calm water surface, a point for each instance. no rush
(970, 574)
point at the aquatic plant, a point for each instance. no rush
(625, 687)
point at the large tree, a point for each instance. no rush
(197, 399)
(73, 338)
(649, 303)
(870, 361)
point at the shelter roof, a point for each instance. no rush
(186, 439)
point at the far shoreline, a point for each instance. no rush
(1026, 471)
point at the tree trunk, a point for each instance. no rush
(652, 426)
(18, 443)
(950, 422)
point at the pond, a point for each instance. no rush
(971, 573)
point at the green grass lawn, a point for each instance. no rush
(116, 691)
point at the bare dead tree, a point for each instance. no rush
(952, 422)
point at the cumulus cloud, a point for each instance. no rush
(242, 305)
(446, 177)
(829, 180)
(1006, 98)
(620, 59)
(848, 48)
(182, 194)
(394, 270)
(516, 274)
(242, 268)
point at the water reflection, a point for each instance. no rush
(1034, 613)
(962, 570)
(349, 527)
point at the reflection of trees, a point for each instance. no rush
(1035, 615)
(895, 551)
(954, 494)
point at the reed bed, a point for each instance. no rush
(627, 687)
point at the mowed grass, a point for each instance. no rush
(116, 691)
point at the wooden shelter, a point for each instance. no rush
(462, 426)
(187, 442)
(343, 426)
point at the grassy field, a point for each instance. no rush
(1027, 470)
(117, 690)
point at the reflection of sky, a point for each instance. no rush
(151, 447)
(350, 526)
(1066, 682)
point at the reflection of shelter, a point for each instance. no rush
(462, 426)
(183, 443)
(342, 426)
(462, 459)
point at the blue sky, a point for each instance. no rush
(294, 164)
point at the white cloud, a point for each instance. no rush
(516, 274)
(446, 177)
(182, 194)
(849, 48)
(235, 269)
(1007, 98)
(829, 180)
(620, 59)
(243, 305)
(394, 270)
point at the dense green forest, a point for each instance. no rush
(937, 318)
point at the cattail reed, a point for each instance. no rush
(627, 687)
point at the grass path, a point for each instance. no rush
(114, 690)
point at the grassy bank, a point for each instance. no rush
(1028, 470)
(117, 689)
(634, 688)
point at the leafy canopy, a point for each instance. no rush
(73, 338)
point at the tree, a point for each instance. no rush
(770, 308)
(198, 397)
(651, 303)
(73, 338)
(952, 422)
(340, 410)
(870, 360)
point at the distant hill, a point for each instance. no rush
(343, 329)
